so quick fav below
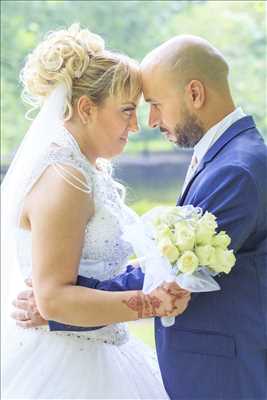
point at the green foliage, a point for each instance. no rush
(143, 330)
(147, 194)
(148, 141)
(135, 27)
(144, 205)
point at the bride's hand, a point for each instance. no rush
(26, 312)
(169, 300)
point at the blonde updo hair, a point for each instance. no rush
(78, 58)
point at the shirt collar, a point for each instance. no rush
(213, 134)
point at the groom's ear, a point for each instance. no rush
(196, 94)
(85, 108)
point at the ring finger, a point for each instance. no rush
(20, 315)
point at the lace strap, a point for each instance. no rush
(64, 173)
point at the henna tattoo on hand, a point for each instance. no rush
(156, 304)
(135, 304)
(174, 296)
(145, 305)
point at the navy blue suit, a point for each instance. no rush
(217, 348)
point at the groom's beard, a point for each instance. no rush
(188, 133)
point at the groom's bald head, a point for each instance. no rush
(185, 80)
(188, 57)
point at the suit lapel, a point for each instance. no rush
(234, 130)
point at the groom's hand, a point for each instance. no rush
(26, 312)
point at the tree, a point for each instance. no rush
(135, 27)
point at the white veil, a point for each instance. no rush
(15, 186)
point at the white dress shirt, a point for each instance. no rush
(210, 137)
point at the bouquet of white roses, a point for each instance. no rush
(189, 240)
(180, 244)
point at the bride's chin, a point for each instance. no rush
(124, 140)
(122, 144)
(113, 153)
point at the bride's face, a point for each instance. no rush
(113, 121)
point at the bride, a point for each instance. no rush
(62, 217)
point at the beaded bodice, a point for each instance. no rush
(104, 253)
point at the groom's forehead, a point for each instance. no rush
(155, 84)
(151, 79)
(149, 72)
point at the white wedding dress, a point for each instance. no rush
(107, 363)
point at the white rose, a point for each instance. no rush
(206, 229)
(206, 255)
(225, 260)
(168, 250)
(157, 221)
(188, 262)
(182, 224)
(163, 215)
(169, 215)
(184, 236)
(164, 232)
(221, 240)
(209, 219)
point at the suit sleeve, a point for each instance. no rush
(131, 279)
(230, 193)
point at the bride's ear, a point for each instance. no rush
(85, 108)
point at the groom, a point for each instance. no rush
(217, 348)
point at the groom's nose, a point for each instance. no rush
(154, 119)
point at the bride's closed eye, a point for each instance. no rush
(128, 111)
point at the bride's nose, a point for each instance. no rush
(133, 126)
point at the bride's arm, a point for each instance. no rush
(58, 215)
(131, 279)
(27, 314)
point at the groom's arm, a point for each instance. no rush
(231, 195)
(131, 279)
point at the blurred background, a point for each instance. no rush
(151, 169)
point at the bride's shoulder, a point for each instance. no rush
(61, 165)
(56, 152)
(64, 155)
